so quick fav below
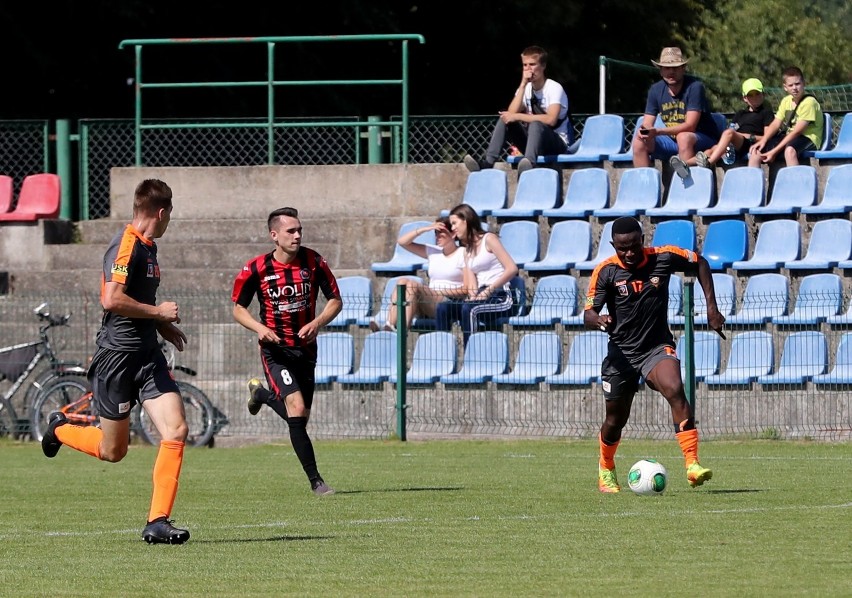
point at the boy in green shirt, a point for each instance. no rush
(798, 125)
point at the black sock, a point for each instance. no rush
(302, 446)
(278, 407)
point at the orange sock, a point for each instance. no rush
(607, 459)
(689, 445)
(86, 439)
(166, 474)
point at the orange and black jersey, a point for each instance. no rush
(638, 299)
(287, 293)
(131, 260)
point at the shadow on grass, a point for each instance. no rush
(272, 539)
(733, 491)
(424, 489)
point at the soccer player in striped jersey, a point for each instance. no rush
(129, 367)
(286, 283)
(633, 285)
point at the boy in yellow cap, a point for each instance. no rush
(751, 124)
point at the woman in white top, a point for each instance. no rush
(444, 269)
(488, 268)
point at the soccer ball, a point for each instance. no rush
(647, 478)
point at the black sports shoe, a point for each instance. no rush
(476, 165)
(162, 531)
(255, 401)
(49, 442)
(320, 488)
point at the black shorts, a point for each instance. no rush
(289, 370)
(620, 376)
(800, 143)
(120, 379)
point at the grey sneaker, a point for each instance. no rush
(320, 488)
(523, 166)
(679, 166)
(702, 160)
(254, 402)
(474, 165)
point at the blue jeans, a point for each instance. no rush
(535, 139)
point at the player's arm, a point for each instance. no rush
(115, 299)
(715, 319)
(592, 318)
(332, 307)
(245, 319)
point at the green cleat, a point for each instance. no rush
(255, 402)
(697, 475)
(607, 481)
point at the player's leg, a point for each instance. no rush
(664, 376)
(619, 384)
(163, 404)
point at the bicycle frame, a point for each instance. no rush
(81, 411)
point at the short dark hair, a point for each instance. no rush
(536, 50)
(626, 225)
(151, 196)
(792, 71)
(275, 214)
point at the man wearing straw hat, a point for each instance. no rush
(681, 102)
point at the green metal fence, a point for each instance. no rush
(225, 356)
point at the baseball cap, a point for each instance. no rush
(752, 85)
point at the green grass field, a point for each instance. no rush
(436, 518)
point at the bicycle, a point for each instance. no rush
(17, 362)
(73, 397)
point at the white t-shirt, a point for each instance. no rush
(485, 265)
(445, 271)
(551, 93)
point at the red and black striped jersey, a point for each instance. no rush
(638, 299)
(131, 260)
(287, 293)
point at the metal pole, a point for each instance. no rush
(689, 342)
(602, 85)
(400, 361)
(63, 166)
(374, 141)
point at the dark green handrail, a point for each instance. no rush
(271, 83)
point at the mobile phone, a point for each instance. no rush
(643, 130)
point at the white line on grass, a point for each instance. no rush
(396, 520)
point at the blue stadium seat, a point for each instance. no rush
(584, 360)
(357, 295)
(724, 285)
(434, 356)
(830, 244)
(841, 373)
(837, 195)
(627, 154)
(805, 355)
(687, 196)
(570, 242)
(680, 233)
(539, 354)
(843, 146)
(778, 242)
(335, 356)
(725, 242)
(765, 297)
(820, 296)
(538, 189)
(708, 354)
(521, 239)
(795, 187)
(588, 190)
(485, 191)
(752, 355)
(518, 291)
(378, 360)
(403, 260)
(826, 138)
(742, 189)
(485, 356)
(388, 297)
(844, 319)
(639, 190)
(554, 299)
(605, 250)
(675, 297)
(603, 134)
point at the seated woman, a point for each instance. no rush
(445, 264)
(488, 268)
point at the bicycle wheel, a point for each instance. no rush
(199, 418)
(8, 420)
(64, 393)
